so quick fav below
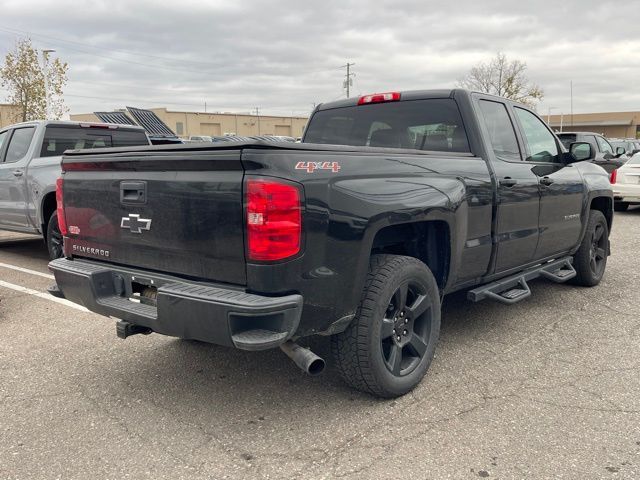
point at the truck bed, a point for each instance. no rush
(170, 208)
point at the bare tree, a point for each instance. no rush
(504, 78)
(33, 85)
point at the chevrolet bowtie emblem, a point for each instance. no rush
(135, 224)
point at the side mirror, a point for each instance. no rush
(582, 151)
(620, 151)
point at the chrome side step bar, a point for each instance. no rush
(514, 288)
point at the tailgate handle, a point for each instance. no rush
(133, 193)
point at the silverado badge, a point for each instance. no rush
(135, 224)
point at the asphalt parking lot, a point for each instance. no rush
(548, 388)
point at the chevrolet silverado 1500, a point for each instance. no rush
(391, 202)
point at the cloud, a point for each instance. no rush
(284, 56)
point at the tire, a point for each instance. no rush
(54, 238)
(368, 354)
(620, 206)
(590, 260)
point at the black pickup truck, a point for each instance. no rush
(391, 202)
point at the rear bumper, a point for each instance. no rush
(191, 310)
(626, 192)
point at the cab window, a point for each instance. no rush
(430, 124)
(541, 143)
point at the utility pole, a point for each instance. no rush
(348, 82)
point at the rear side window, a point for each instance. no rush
(3, 135)
(433, 124)
(58, 139)
(501, 132)
(19, 144)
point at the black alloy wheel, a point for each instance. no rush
(598, 251)
(590, 261)
(405, 329)
(388, 347)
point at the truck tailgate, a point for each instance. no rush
(174, 212)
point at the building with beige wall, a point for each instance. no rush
(609, 124)
(9, 114)
(187, 124)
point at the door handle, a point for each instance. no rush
(17, 173)
(133, 192)
(508, 182)
(546, 181)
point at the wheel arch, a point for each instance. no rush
(605, 205)
(47, 207)
(428, 241)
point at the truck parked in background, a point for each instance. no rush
(30, 156)
(602, 152)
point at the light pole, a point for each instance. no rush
(45, 70)
(571, 88)
(549, 115)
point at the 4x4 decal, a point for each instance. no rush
(310, 167)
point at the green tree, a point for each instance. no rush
(32, 84)
(504, 78)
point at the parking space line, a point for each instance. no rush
(26, 270)
(43, 295)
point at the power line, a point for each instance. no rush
(218, 67)
(16, 31)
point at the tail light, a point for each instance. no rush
(614, 177)
(62, 220)
(274, 220)
(379, 98)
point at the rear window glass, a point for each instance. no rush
(566, 139)
(635, 160)
(59, 139)
(433, 124)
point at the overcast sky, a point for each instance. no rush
(284, 56)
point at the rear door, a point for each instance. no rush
(15, 156)
(518, 197)
(562, 189)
